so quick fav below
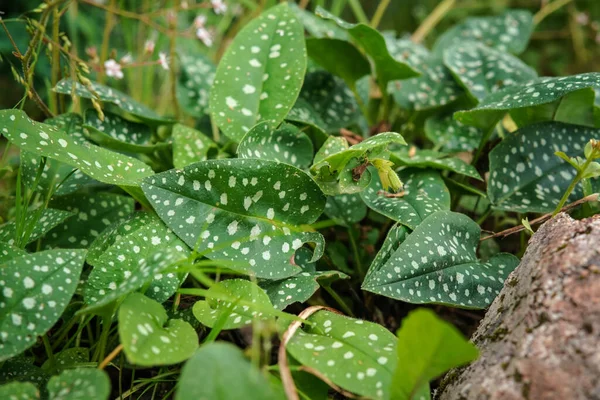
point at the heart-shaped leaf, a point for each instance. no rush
(427, 347)
(509, 32)
(110, 95)
(207, 375)
(190, 146)
(19, 391)
(136, 252)
(318, 27)
(423, 193)
(286, 144)
(261, 73)
(337, 173)
(331, 99)
(372, 42)
(357, 355)
(92, 214)
(246, 211)
(301, 287)
(148, 339)
(79, 384)
(36, 289)
(48, 219)
(436, 160)
(196, 76)
(48, 141)
(526, 176)
(346, 209)
(437, 263)
(451, 135)
(210, 310)
(531, 94)
(482, 70)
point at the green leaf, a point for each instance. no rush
(190, 146)
(333, 169)
(318, 27)
(8, 252)
(260, 74)
(67, 359)
(136, 252)
(424, 193)
(36, 289)
(436, 160)
(298, 288)
(346, 209)
(286, 144)
(48, 219)
(509, 32)
(69, 123)
(531, 94)
(357, 355)
(210, 310)
(427, 347)
(92, 213)
(22, 369)
(116, 133)
(407, 51)
(110, 95)
(372, 42)
(208, 375)
(48, 141)
(148, 340)
(451, 135)
(482, 70)
(79, 384)
(19, 391)
(247, 211)
(196, 75)
(331, 99)
(437, 263)
(526, 176)
(339, 57)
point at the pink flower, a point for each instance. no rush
(126, 59)
(582, 18)
(199, 21)
(149, 46)
(219, 7)
(204, 35)
(163, 60)
(113, 69)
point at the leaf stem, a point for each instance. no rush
(548, 9)
(571, 187)
(357, 261)
(358, 11)
(381, 7)
(338, 300)
(432, 20)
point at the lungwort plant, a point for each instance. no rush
(265, 227)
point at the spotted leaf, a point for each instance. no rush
(48, 141)
(482, 70)
(357, 355)
(372, 42)
(423, 193)
(67, 359)
(23, 369)
(331, 99)
(79, 384)
(8, 252)
(407, 51)
(526, 176)
(208, 375)
(190, 146)
(304, 113)
(451, 135)
(427, 348)
(338, 172)
(531, 94)
(19, 391)
(286, 144)
(136, 253)
(437, 263)
(509, 32)
(301, 287)
(195, 79)
(36, 289)
(346, 209)
(42, 224)
(119, 134)
(247, 211)
(261, 73)
(435, 160)
(318, 27)
(107, 94)
(148, 339)
(249, 301)
(92, 214)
